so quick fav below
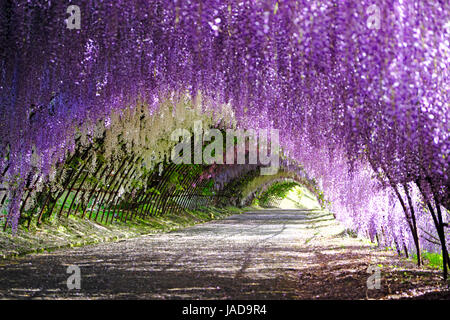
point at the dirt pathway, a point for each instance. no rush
(267, 254)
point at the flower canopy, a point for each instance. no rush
(359, 90)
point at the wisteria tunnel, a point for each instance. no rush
(283, 121)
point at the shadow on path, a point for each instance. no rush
(266, 254)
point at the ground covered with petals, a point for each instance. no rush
(262, 254)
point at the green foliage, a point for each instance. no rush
(277, 190)
(154, 190)
(175, 180)
(207, 190)
(431, 259)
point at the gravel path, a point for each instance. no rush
(267, 254)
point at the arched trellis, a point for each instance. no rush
(96, 194)
(285, 174)
(121, 186)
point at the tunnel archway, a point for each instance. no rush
(124, 171)
(361, 102)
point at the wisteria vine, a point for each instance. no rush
(362, 106)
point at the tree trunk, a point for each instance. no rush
(414, 224)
